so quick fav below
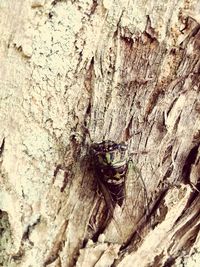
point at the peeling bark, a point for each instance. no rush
(78, 72)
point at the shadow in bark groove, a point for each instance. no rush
(190, 160)
(2, 146)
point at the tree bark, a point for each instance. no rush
(74, 73)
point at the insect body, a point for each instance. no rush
(111, 164)
(121, 184)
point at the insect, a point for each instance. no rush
(111, 164)
(119, 181)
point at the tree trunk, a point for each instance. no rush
(74, 73)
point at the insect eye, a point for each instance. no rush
(123, 146)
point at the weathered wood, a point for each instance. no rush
(77, 72)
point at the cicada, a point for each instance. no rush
(119, 181)
(111, 164)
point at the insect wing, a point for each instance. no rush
(136, 198)
(126, 219)
(122, 186)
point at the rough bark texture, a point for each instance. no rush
(76, 72)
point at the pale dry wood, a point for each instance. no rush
(76, 72)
